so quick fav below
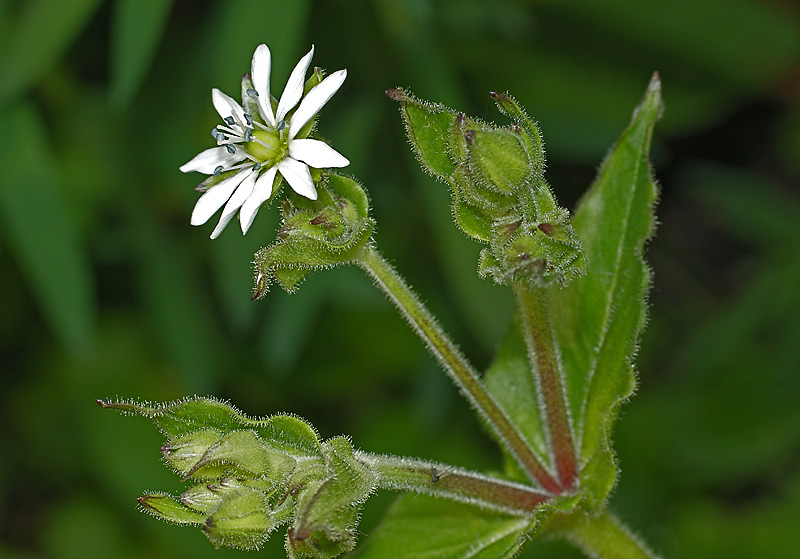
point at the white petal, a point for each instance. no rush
(214, 197)
(259, 73)
(207, 161)
(315, 100)
(242, 193)
(316, 154)
(261, 193)
(298, 176)
(226, 106)
(294, 87)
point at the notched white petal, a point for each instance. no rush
(294, 87)
(315, 100)
(260, 194)
(213, 199)
(298, 176)
(226, 106)
(208, 160)
(260, 69)
(235, 202)
(316, 154)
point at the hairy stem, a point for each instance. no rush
(603, 535)
(461, 372)
(543, 356)
(440, 480)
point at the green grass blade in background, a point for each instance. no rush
(598, 318)
(37, 228)
(44, 30)
(417, 527)
(137, 29)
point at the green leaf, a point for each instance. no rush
(427, 528)
(37, 228)
(137, 29)
(598, 318)
(43, 31)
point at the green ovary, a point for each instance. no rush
(266, 146)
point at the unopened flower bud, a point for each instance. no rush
(242, 520)
(497, 159)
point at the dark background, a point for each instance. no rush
(106, 291)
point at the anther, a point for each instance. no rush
(218, 170)
(229, 120)
(248, 119)
(280, 126)
(257, 166)
(252, 93)
(230, 148)
(248, 134)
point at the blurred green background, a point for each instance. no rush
(108, 292)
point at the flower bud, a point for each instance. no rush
(500, 196)
(497, 159)
(242, 520)
(315, 234)
(326, 519)
(183, 453)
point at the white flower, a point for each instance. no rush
(259, 146)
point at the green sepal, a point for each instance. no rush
(167, 508)
(285, 433)
(429, 127)
(243, 520)
(240, 452)
(316, 234)
(548, 253)
(498, 159)
(206, 497)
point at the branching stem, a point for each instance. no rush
(456, 484)
(460, 371)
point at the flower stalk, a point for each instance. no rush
(440, 480)
(455, 364)
(543, 357)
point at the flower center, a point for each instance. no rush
(267, 146)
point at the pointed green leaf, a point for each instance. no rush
(598, 318)
(137, 29)
(427, 528)
(37, 228)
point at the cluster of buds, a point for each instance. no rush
(251, 476)
(500, 196)
(315, 234)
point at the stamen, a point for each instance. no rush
(230, 120)
(252, 93)
(218, 170)
(262, 126)
(231, 149)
